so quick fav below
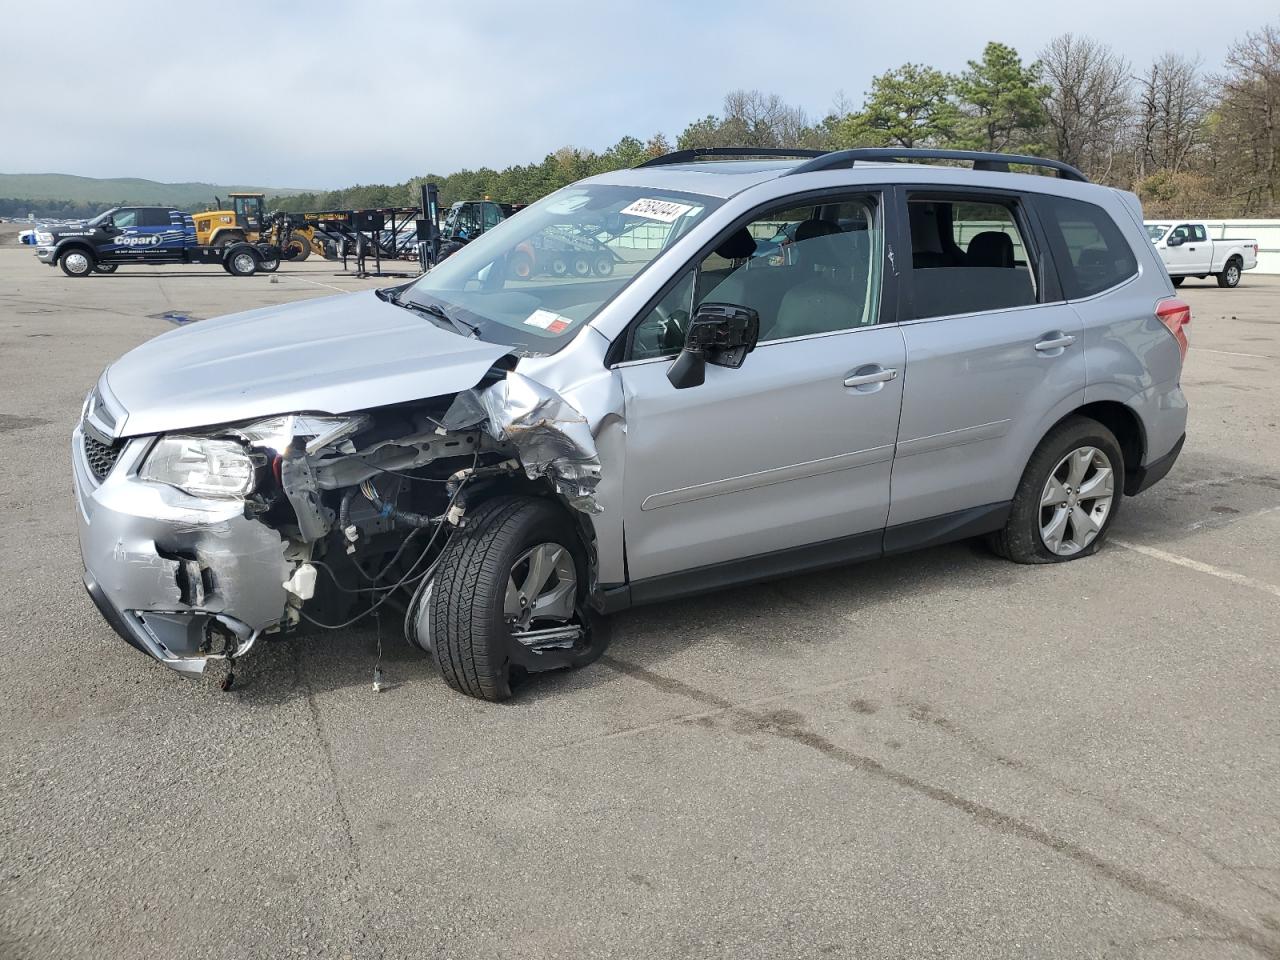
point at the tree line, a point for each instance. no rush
(1188, 139)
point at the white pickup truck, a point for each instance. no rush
(1187, 251)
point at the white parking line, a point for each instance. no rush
(1232, 353)
(1200, 567)
(319, 284)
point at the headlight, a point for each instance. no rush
(44, 239)
(200, 466)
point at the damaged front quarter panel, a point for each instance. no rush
(551, 437)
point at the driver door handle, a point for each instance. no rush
(861, 379)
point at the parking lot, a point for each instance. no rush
(933, 755)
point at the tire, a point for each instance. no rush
(1177, 281)
(520, 266)
(1230, 275)
(298, 243)
(268, 266)
(448, 249)
(559, 267)
(581, 267)
(1021, 540)
(226, 238)
(470, 634)
(602, 266)
(105, 267)
(77, 262)
(243, 262)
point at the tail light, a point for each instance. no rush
(1176, 315)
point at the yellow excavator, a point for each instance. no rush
(247, 220)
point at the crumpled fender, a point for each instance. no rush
(551, 436)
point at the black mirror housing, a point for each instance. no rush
(719, 333)
(1174, 241)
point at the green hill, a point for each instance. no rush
(88, 190)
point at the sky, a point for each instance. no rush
(321, 94)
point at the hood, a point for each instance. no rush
(332, 355)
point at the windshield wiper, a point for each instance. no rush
(433, 310)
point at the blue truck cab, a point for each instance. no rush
(144, 235)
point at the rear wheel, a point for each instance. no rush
(77, 262)
(242, 263)
(226, 238)
(1177, 281)
(269, 266)
(602, 266)
(1068, 496)
(581, 267)
(1230, 275)
(105, 267)
(508, 599)
(559, 266)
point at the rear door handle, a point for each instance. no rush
(877, 376)
(1055, 343)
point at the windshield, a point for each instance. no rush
(1157, 230)
(102, 216)
(538, 276)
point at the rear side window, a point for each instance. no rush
(967, 256)
(153, 217)
(1091, 253)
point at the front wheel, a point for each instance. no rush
(1230, 276)
(1177, 281)
(77, 263)
(1068, 496)
(508, 599)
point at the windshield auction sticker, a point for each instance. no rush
(664, 210)
(548, 321)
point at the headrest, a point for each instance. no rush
(739, 245)
(808, 229)
(991, 248)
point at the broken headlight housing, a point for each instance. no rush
(201, 466)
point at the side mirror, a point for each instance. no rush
(108, 225)
(719, 333)
(1175, 241)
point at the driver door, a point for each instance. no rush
(784, 462)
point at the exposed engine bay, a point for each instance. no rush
(318, 521)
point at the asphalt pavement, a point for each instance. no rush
(937, 755)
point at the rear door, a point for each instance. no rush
(163, 231)
(1199, 250)
(993, 352)
(786, 460)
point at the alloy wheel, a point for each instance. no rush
(1076, 501)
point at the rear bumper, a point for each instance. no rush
(1155, 471)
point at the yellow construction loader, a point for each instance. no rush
(247, 220)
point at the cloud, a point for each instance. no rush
(326, 94)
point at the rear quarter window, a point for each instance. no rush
(1090, 251)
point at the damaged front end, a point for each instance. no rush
(196, 544)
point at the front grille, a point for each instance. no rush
(101, 457)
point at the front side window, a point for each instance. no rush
(539, 275)
(1091, 253)
(967, 256)
(1182, 232)
(807, 270)
(124, 219)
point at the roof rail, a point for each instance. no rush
(993, 162)
(707, 153)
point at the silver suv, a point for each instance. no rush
(718, 367)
